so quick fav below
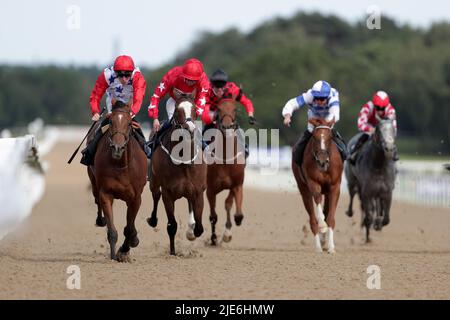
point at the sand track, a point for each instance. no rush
(270, 257)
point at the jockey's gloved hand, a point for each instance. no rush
(252, 120)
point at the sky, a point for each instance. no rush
(86, 32)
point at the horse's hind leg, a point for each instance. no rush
(153, 220)
(106, 204)
(100, 221)
(172, 225)
(228, 205)
(211, 194)
(238, 195)
(130, 232)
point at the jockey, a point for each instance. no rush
(121, 82)
(222, 89)
(186, 79)
(323, 103)
(367, 121)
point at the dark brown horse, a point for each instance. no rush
(226, 172)
(175, 176)
(119, 172)
(320, 175)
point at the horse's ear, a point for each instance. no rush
(177, 93)
(129, 104)
(113, 102)
(192, 94)
(331, 122)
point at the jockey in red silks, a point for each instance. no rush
(222, 89)
(121, 82)
(187, 79)
(380, 106)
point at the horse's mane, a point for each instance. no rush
(120, 106)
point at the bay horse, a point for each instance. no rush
(320, 177)
(226, 172)
(373, 177)
(119, 172)
(173, 177)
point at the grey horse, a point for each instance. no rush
(373, 176)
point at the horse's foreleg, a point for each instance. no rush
(351, 192)
(367, 208)
(210, 193)
(386, 206)
(308, 203)
(191, 223)
(106, 202)
(130, 232)
(172, 226)
(197, 207)
(323, 227)
(331, 203)
(228, 205)
(153, 220)
(238, 195)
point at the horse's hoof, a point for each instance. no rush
(349, 213)
(386, 222)
(152, 222)
(123, 256)
(214, 240)
(100, 222)
(318, 250)
(190, 235)
(331, 251)
(198, 230)
(238, 219)
(134, 242)
(227, 238)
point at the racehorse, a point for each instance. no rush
(320, 177)
(373, 177)
(173, 177)
(119, 172)
(227, 170)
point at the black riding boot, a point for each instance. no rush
(139, 135)
(337, 138)
(395, 157)
(89, 152)
(299, 147)
(356, 147)
(153, 143)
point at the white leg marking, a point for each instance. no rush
(330, 241)
(227, 235)
(317, 244)
(321, 219)
(191, 224)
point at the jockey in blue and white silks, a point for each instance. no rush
(323, 103)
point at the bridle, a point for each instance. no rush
(321, 150)
(125, 134)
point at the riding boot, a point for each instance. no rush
(354, 151)
(395, 156)
(89, 152)
(139, 135)
(154, 140)
(337, 138)
(299, 147)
